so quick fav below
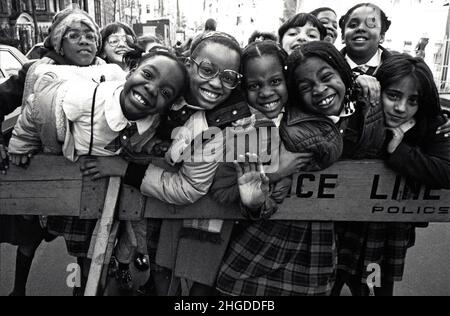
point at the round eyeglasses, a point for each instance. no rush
(207, 70)
(74, 37)
(115, 40)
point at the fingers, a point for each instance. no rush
(88, 164)
(238, 168)
(444, 129)
(90, 172)
(370, 89)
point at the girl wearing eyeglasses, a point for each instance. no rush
(74, 39)
(116, 40)
(214, 77)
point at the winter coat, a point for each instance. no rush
(42, 125)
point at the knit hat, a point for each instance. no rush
(62, 22)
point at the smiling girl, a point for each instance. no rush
(116, 40)
(99, 112)
(300, 258)
(300, 29)
(328, 18)
(411, 105)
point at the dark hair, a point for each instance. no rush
(264, 35)
(264, 48)
(398, 67)
(137, 56)
(210, 25)
(148, 39)
(385, 22)
(113, 28)
(214, 37)
(301, 20)
(317, 11)
(328, 53)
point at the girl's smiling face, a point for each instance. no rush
(329, 20)
(297, 36)
(266, 85)
(362, 33)
(151, 88)
(400, 102)
(209, 93)
(116, 46)
(320, 87)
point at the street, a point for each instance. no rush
(427, 269)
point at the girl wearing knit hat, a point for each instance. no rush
(74, 39)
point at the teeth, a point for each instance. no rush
(139, 98)
(271, 105)
(327, 101)
(210, 94)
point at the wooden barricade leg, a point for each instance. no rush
(101, 244)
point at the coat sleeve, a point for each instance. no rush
(190, 183)
(26, 135)
(428, 164)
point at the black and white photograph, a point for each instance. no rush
(224, 153)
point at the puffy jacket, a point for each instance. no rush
(42, 124)
(364, 132)
(307, 133)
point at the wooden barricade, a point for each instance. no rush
(361, 191)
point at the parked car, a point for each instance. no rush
(11, 61)
(36, 51)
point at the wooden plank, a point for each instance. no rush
(56, 198)
(92, 199)
(101, 243)
(348, 191)
(131, 205)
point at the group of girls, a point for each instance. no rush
(360, 103)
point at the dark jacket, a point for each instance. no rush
(372, 70)
(424, 156)
(302, 132)
(364, 133)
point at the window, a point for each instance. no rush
(10, 64)
(98, 12)
(148, 8)
(41, 5)
(3, 6)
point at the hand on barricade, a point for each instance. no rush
(281, 190)
(103, 167)
(291, 163)
(20, 160)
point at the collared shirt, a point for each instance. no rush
(375, 62)
(347, 111)
(108, 118)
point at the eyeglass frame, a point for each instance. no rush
(66, 36)
(124, 38)
(218, 74)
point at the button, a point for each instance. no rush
(235, 112)
(124, 137)
(184, 112)
(218, 121)
(342, 131)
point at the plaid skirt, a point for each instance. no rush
(386, 244)
(76, 232)
(274, 258)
